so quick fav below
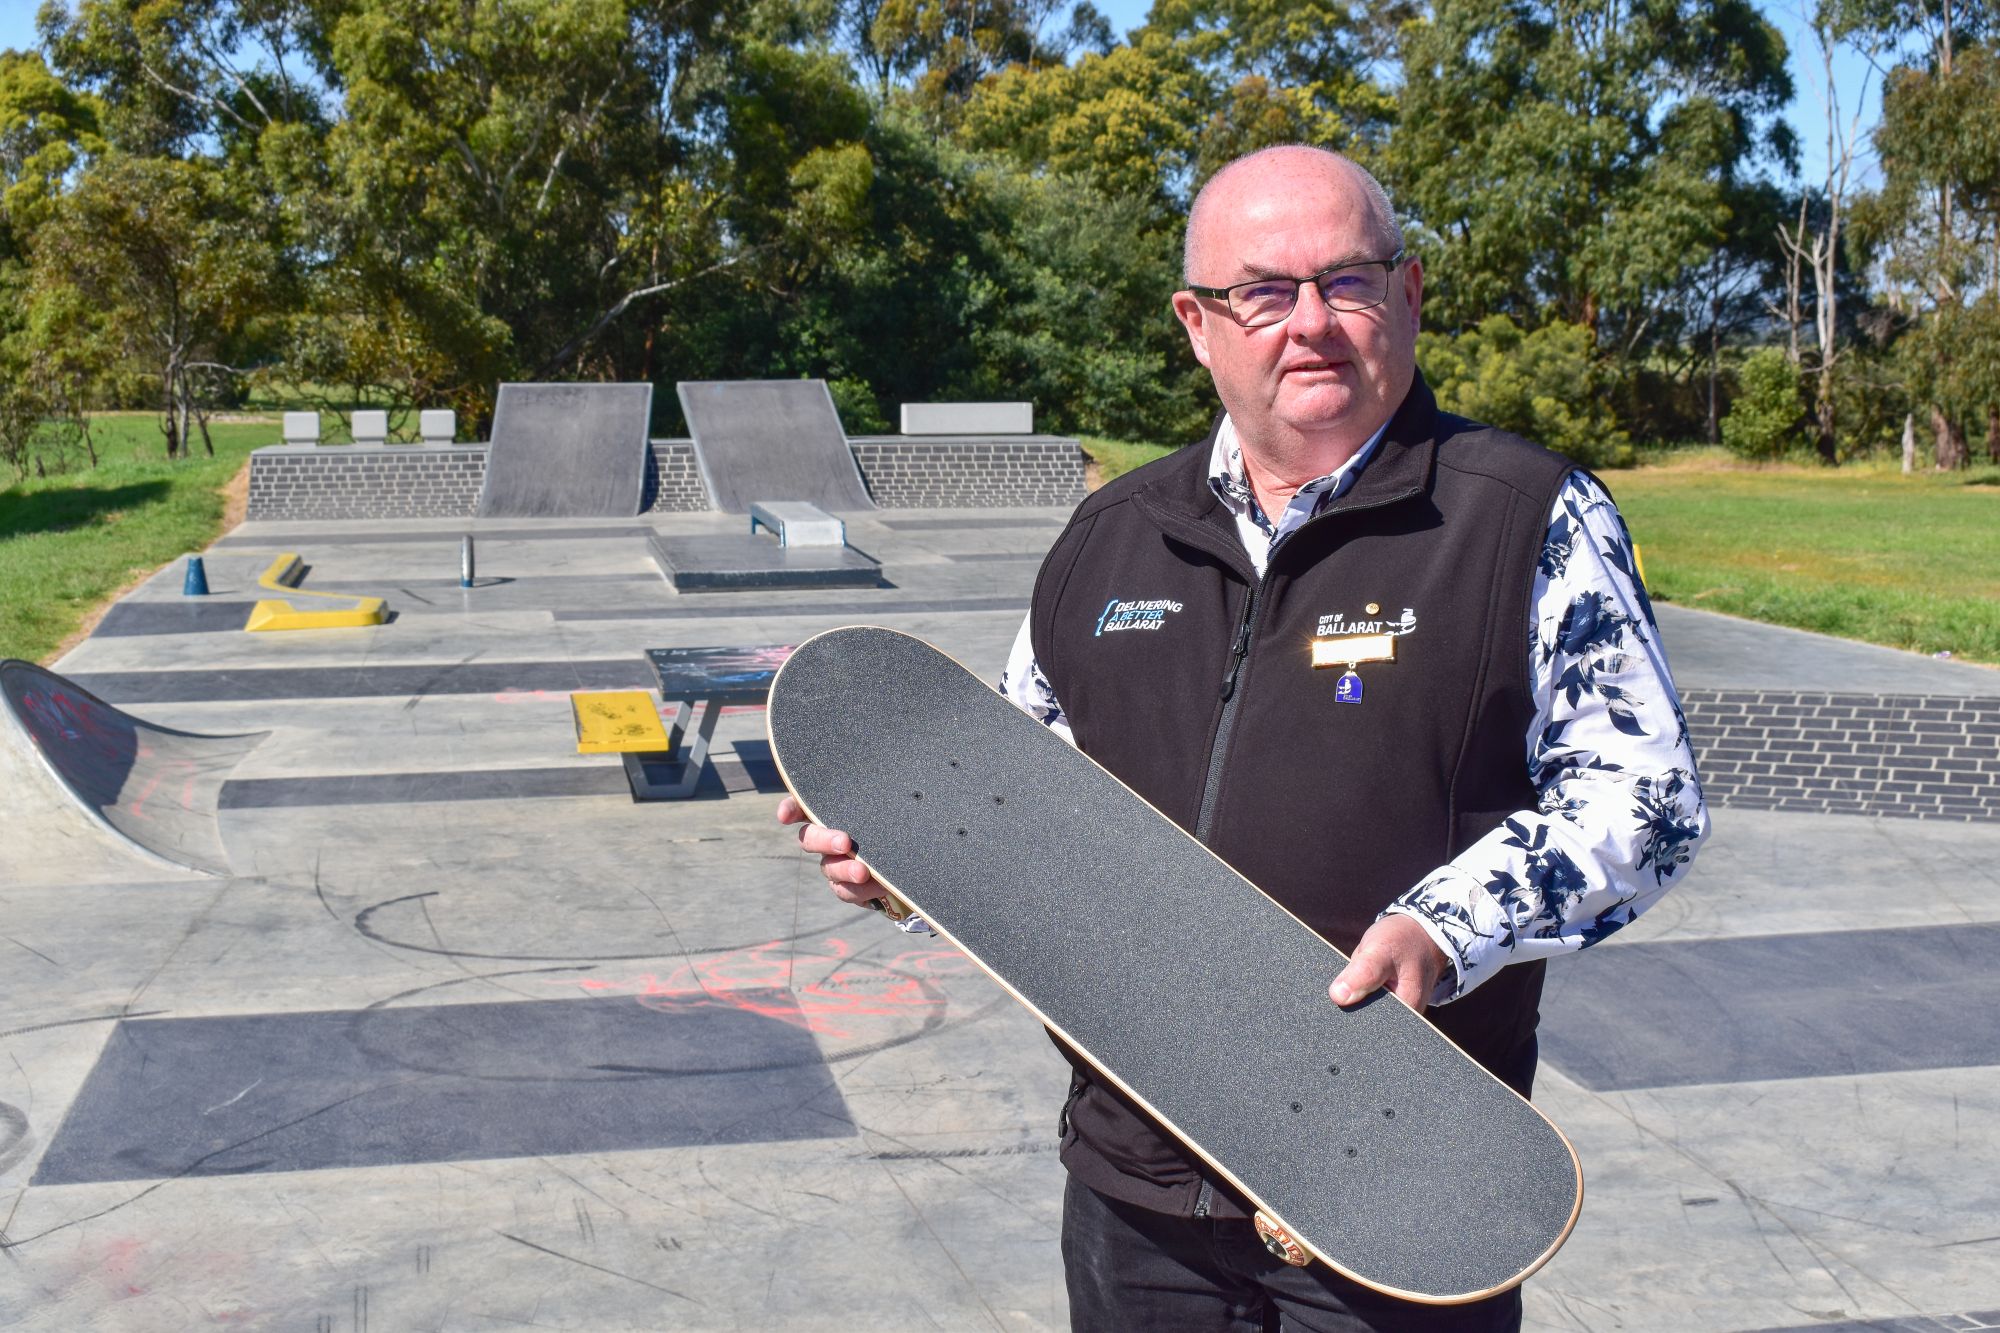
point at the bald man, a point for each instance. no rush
(1394, 666)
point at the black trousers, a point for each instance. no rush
(1132, 1270)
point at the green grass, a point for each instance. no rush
(1860, 552)
(69, 542)
(1114, 458)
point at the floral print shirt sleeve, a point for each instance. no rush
(1620, 809)
(1029, 690)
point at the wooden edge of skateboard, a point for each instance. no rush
(1423, 1298)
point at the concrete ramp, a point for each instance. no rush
(568, 451)
(92, 793)
(771, 440)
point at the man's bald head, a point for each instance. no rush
(1276, 169)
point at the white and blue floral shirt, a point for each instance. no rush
(1620, 810)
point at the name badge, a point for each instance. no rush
(1353, 649)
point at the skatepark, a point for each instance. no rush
(343, 992)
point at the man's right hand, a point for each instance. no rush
(850, 880)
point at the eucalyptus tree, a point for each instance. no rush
(1573, 162)
(1935, 221)
(48, 132)
(159, 257)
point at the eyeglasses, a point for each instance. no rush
(1268, 301)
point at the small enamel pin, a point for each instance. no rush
(1351, 651)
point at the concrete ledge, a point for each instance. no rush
(901, 471)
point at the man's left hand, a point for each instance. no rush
(1395, 953)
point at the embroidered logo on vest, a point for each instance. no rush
(1120, 614)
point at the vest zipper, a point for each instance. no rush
(1238, 651)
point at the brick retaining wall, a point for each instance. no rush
(415, 481)
(1912, 756)
(969, 471)
(366, 481)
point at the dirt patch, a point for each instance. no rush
(236, 498)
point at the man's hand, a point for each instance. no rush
(843, 870)
(1395, 953)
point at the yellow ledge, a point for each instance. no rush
(268, 615)
(273, 614)
(618, 722)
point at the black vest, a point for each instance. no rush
(1193, 681)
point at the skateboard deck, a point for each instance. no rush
(1364, 1137)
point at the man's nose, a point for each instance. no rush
(1311, 316)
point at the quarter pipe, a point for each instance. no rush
(92, 792)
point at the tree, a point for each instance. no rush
(1571, 162)
(1936, 218)
(1764, 419)
(47, 133)
(1816, 248)
(1545, 384)
(1126, 122)
(506, 190)
(160, 258)
(1286, 71)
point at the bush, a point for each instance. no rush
(1545, 385)
(1763, 422)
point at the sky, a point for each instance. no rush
(17, 29)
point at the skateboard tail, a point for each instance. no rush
(1273, 1222)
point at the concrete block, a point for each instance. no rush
(437, 425)
(968, 418)
(797, 523)
(301, 428)
(371, 426)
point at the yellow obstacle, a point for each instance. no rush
(618, 722)
(283, 576)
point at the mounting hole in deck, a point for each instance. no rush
(1388, 1113)
(1298, 1106)
(1333, 1069)
(1354, 1152)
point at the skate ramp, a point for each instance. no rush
(93, 793)
(771, 440)
(568, 451)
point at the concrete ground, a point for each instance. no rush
(470, 1040)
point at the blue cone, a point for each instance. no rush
(196, 582)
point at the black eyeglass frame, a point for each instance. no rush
(1222, 294)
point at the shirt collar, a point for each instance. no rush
(1230, 484)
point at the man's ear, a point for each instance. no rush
(1193, 316)
(1413, 291)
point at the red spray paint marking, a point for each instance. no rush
(62, 719)
(744, 979)
(74, 724)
